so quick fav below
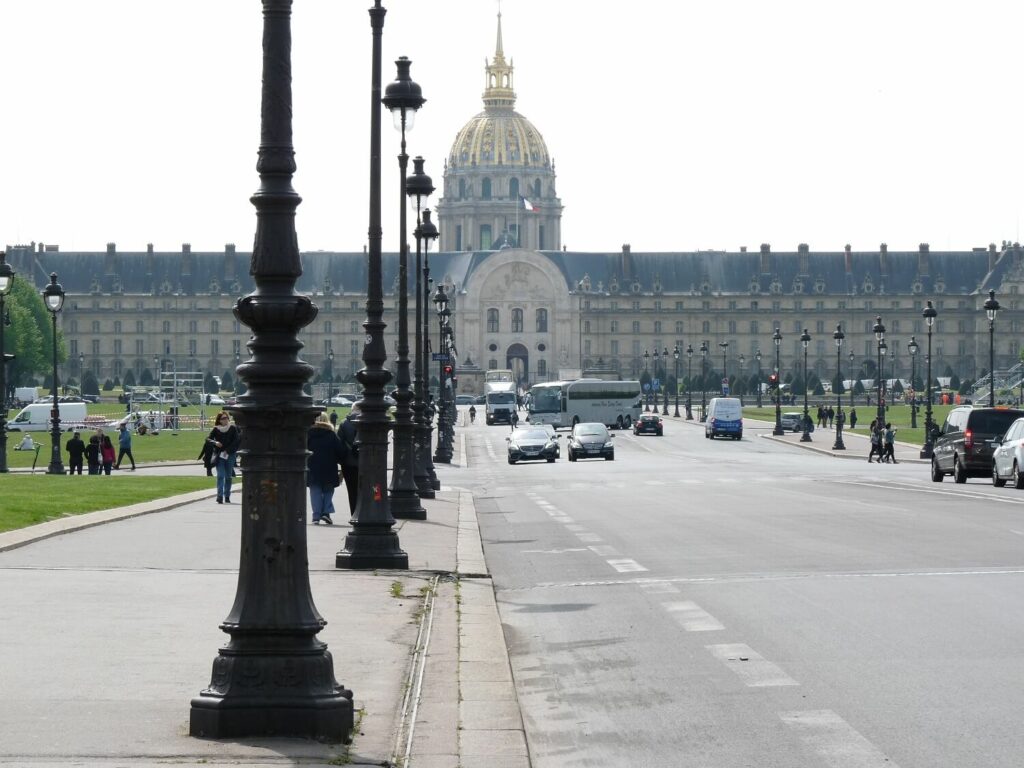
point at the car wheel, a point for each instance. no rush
(628, 421)
(937, 474)
(659, 433)
(610, 458)
(997, 481)
(511, 461)
(572, 456)
(575, 420)
(959, 473)
(1018, 477)
(551, 461)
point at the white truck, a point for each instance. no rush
(499, 401)
(36, 417)
(25, 395)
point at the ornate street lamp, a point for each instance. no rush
(777, 339)
(53, 297)
(6, 284)
(654, 392)
(689, 382)
(442, 454)
(330, 376)
(725, 374)
(928, 314)
(372, 542)
(851, 357)
(879, 331)
(912, 348)
(664, 388)
(991, 309)
(403, 97)
(428, 232)
(883, 348)
(838, 337)
(647, 395)
(704, 349)
(274, 677)
(675, 356)
(743, 374)
(805, 340)
(238, 361)
(757, 356)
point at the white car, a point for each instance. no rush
(1008, 456)
(212, 400)
(340, 400)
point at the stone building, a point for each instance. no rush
(521, 302)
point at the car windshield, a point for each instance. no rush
(591, 429)
(530, 434)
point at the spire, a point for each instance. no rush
(498, 91)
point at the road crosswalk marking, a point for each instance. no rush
(752, 668)
(692, 618)
(836, 742)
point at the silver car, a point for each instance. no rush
(1008, 456)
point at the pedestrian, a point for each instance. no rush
(326, 453)
(334, 420)
(831, 416)
(107, 454)
(27, 443)
(76, 450)
(853, 418)
(208, 455)
(124, 443)
(821, 416)
(350, 464)
(514, 419)
(92, 455)
(225, 438)
(875, 443)
(890, 443)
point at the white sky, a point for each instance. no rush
(674, 124)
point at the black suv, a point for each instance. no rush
(963, 446)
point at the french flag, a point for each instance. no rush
(527, 204)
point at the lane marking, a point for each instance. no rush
(626, 566)
(574, 527)
(751, 667)
(836, 742)
(936, 492)
(604, 550)
(692, 618)
(592, 537)
(553, 551)
(659, 588)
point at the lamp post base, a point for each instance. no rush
(367, 550)
(839, 445)
(926, 451)
(806, 437)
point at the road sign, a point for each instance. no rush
(440, 357)
(725, 389)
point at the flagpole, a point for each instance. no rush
(519, 237)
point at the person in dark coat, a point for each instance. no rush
(225, 438)
(92, 455)
(76, 450)
(326, 453)
(350, 465)
(208, 456)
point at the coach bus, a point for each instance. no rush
(565, 403)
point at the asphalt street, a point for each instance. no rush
(720, 603)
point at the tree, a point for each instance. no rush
(837, 385)
(146, 379)
(858, 387)
(108, 385)
(90, 385)
(227, 382)
(210, 383)
(818, 388)
(954, 382)
(30, 335)
(129, 378)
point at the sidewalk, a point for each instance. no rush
(112, 622)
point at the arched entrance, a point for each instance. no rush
(517, 358)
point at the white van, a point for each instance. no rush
(724, 417)
(36, 417)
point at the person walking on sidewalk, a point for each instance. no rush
(853, 418)
(876, 441)
(326, 452)
(107, 454)
(350, 464)
(76, 450)
(225, 438)
(890, 443)
(124, 443)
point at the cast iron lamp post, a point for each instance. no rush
(429, 232)
(675, 356)
(879, 331)
(419, 185)
(81, 369)
(443, 453)
(743, 374)
(912, 348)
(656, 377)
(238, 360)
(274, 677)
(883, 349)
(689, 382)
(777, 339)
(725, 374)
(330, 377)
(991, 309)
(928, 314)
(805, 340)
(6, 284)
(53, 296)
(757, 357)
(372, 543)
(838, 336)
(403, 97)
(664, 387)
(851, 357)
(647, 395)
(703, 377)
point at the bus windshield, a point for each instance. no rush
(546, 400)
(501, 397)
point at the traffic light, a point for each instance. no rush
(447, 370)
(773, 379)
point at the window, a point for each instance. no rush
(327, 326)
(679, 305)
(117, 327)
(492, 321)
(753, 328)
(513, 189)
(167, 326)
(485, 237)
(492, 364)
(191, 347)
(215, 326)
(236, 347)
(657, 306)
(354, 327)
(193, 327)
(657, 326)
(139, 348)
(140, 326)
(586, 326)
(679, 327)
(95, 347)
(614, 326)
(214, 347)
(117, 347)
(353, 348)
(485, 189)
(819, 326)
(95, 326)
(586, 347)
(615, 347)
(636, 306)
(517, 321)
(462, 189)
(732, 327)
(705, 326)
(753, 305)
(636, 326)
(542, 321)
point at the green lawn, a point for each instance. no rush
(31, 499)
(899, 415)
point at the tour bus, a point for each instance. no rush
(565, 403)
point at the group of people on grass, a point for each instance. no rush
(98, 455)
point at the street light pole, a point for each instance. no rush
(403, 97)
(428, 232)
(664, 388)
(991, 309)
(654, 392)
(6, 284)
(704, 349)
(689, 382)
(330, 377)
(647, 394)
(53, 296)
(675, 356)
(879, 331)
(443, 454)
(725, 374)
(372, 542)
(883, 349)
(838, 336)
(777, 340)
(928, 314)
(743, 375)
(851, 357)
(274, 677)
(757, 357)
(912, 348)
(805, 340)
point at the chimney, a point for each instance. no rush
(109, 267)
(150, 268)
(766, 259)
(805, 259)
(923, 265)
(848, 259)
(992, 256)
(230, 264)
(627, 263)
(883, 260)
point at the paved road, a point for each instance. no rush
(717, 604)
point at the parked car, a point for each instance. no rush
(963, 447)
(1008, 457)
(532, 443)
(590, 440)
(340, 400)
(648, 424)
(791, 422)
(211, 399)
(465, 399)
(479, 400)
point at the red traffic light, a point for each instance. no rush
(447, 370)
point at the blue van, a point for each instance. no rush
(724, 417)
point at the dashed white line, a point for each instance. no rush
(692, 618)
(751, 667)
(626, 566)
(658, 587)
(836, 742)
(604, 550)
(588, 537)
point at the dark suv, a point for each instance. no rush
(963, 446)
